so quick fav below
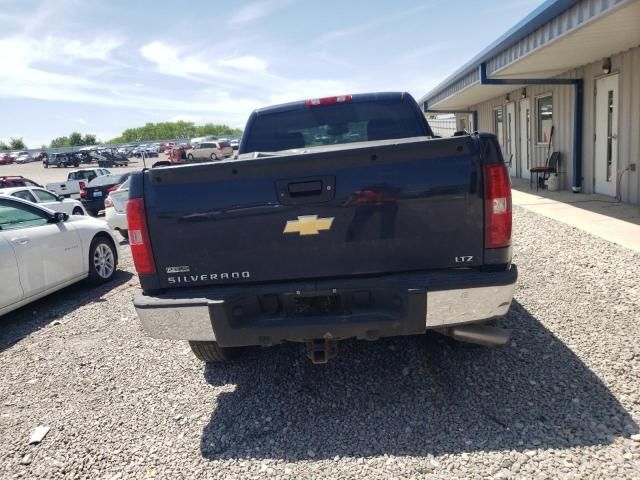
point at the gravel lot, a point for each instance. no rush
(561, 401)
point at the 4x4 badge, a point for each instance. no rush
(308, 225)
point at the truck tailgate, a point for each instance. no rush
(65, 189)
(385, 206)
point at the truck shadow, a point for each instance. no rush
(412, 396)
(16, 325)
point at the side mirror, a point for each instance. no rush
(60, 217)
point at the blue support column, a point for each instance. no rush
(578, 99)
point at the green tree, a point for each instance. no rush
(89, 139)
(60, 142)
(170, 130)
(17, 143)
(3, 146)
(75, 139)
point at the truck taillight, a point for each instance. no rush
(497, 195)
(312, 102)
(83, 192)
(139, 237)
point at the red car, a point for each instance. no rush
(17, 181)
(5, 159)
(166, 147)
(177, 155)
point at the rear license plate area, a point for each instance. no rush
(315, 305)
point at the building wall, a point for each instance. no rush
(562, 121)
(627, 65)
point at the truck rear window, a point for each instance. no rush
(334, 124)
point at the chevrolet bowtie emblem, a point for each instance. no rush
(308, 225)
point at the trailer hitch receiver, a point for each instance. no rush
(321, 350)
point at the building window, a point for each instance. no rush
(497, 125)
(544, 118)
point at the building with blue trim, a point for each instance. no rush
(571, 67)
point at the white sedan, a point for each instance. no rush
(42, 251)
(115, 209)
(47, 199)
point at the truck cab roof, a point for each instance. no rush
(334, 121)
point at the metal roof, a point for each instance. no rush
(540, 17)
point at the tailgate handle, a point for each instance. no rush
(305, 189)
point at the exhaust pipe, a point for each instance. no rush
(480, 334)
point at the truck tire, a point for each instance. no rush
(77, 211)
(211, 352)
(45, 164)
(103, 260)
(214, 157)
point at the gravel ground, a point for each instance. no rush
(561, 401)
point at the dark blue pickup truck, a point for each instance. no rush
(342, 217)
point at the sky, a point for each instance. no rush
(103, 66)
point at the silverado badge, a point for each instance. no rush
(308, 225)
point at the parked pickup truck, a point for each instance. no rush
(343, 217)
(75, 182)
(61, 160)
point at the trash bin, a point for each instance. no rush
(553, 182)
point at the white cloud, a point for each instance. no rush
(21, 51)
(98, 49)
(168, 60)
(178, 62)
(371, 24)
(248, 63)
(256, 10)
(228, 96)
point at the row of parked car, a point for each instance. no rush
(146, 149)
(104, 157)
(86, 191)
(49, 236)
(47, 241)
(20, 157)
(115, 157)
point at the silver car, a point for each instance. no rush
(24, 157)
(210, 151)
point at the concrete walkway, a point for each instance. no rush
(597, 214)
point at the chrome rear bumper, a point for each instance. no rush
(182, 318)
